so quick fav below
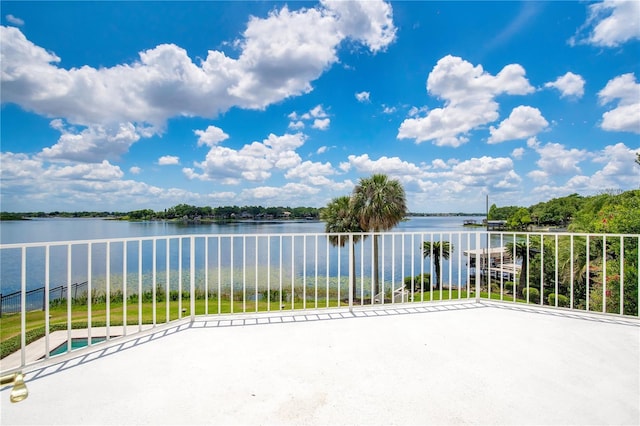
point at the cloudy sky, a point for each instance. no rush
(122, 106)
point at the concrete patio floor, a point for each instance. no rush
(438, 363)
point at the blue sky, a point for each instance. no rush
(122, 106)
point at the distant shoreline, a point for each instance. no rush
(34, 215)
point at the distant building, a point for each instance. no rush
(496, 225)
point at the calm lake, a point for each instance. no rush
(43, 230)
(296, 255)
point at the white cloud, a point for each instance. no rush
(619, 171)
(439, 164)
(318, 112)
(135, 170)
(322, 149)
(15, 20)
(625, 116)
(103, 171)
(388, 110)
(610, 24)
(569, 85)
(169, 160)
(30, 183)
(312, 173)
(211, 136)
(362, 96)
(468, 92)
(538, 175)
(321, 124)
(317, 116)
(253, 162)
(280, 195)
(393, 166)
(279, 57)
(415, 111)
(476, 169)
(523, 122)
(517, 153)
(92, 144)
(556, 160)
(369, 22)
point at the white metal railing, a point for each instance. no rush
(131, 284)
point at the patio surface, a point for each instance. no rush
(437, 363)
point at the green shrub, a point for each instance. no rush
(420, 282)
(534, 294)
(563, 300)
(272, 295)
(509, 286)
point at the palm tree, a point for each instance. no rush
(525, 253)
(339, 218)
(440, 250)
(379, 203)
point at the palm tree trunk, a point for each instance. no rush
(437, 266)
(522, 282)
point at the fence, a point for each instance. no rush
(35, 299)
(155, 280)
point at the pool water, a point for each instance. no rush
(76, 343)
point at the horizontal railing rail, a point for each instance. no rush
(122, 286)
(35, 299)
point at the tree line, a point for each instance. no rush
(610, 212)
(184, 212)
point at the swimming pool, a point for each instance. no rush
(76, 343)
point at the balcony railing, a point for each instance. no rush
(110, 288)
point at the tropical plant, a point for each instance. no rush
(339, 219)
(437, 250)
(525, 252)
(379, 203)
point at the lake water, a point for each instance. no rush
(298, 256)
(43, 230)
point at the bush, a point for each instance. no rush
(563, 301)
(272, 295)
(509, 286)
(116, 296)
(420, 282)
(534, 294)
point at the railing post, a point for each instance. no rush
(192, 279)
(23, 307)
(478, 269)
(351, 275)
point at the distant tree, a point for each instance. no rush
(438, 250)
(519, 220)
(380, 204)
(501, 213)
